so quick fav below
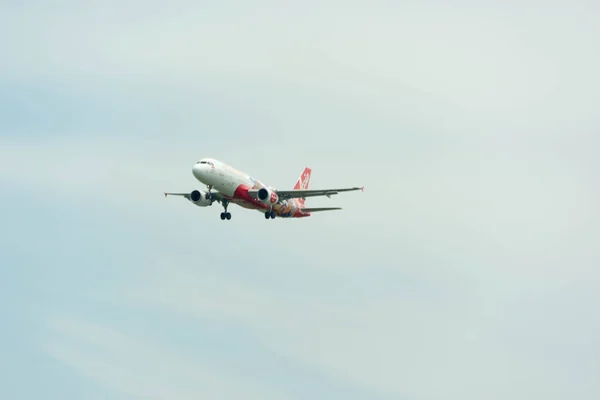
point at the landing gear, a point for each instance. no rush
(210, 196)
(270, 214)
(225, 215)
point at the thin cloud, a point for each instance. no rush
(134, 366)
(392, 344)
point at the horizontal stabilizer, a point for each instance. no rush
(320, 209)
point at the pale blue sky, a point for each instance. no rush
(468, 269)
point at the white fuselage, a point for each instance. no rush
(221, 176)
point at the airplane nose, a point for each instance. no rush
(197, 171)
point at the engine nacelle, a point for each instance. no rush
(267, 196)
(200, 199)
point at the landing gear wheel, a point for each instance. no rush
(225, 214)
(269, 214)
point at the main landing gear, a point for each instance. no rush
(225, 215)
(270, 214)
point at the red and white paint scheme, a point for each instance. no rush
(227, 185)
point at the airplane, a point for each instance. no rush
(233, 186)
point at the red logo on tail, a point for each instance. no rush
(302, 184)
(303, 180)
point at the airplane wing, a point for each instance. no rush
(214, 195)
(186, 195)
(290, 194)
(319, 209)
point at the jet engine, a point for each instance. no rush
(267, 196)
(201, 199)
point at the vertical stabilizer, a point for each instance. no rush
(302, 182)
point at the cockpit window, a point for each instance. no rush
(206, 162)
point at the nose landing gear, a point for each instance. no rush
(210, 196)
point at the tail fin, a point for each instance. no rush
(302, 182)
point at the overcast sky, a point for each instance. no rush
(468, 269)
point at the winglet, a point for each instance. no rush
(165, 194)
(362, 189)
